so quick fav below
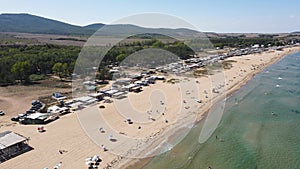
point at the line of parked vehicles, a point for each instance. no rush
(36, 106)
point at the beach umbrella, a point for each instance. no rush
(95, 158)
(88, 159)
(88, 163)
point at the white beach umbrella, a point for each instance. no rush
(95, 158)
(88, 159)
(88, 162)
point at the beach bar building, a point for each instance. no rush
(36, 118)
(86, 100)
(11, 145)
(98, 95)
(110, 93)
(58, 110)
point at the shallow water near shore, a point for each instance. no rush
(260, 127)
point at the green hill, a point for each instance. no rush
(26, 23)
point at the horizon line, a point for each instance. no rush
(81, 25)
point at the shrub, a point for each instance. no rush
(35, 77)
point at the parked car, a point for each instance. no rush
(21, 116)
(15, 118)
(30, 111)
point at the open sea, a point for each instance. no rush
(260, 128)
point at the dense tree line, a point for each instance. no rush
(20, 62)
(124, 49)
(17, 63)
(245, 42)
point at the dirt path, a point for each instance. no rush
(17, 99)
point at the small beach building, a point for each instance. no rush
(114, 71)
(138, 82)
(123, 81)
(35, 118)
(76, 106)
(160, 77)
(136, 89)
(90, 87)
(150, 79)
(11, 145)
(98, 95)
(110, 92)
(137, 77)
(58, 96)
(86, 100)
(129, 87)
(58, 110)
(118, 94)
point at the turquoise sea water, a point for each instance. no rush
(260, 128)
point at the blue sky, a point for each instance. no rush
(263, 16)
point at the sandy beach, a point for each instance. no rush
(157, 113)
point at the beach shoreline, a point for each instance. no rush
(79, 145)
(140, 163)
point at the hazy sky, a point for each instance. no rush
(207, 15)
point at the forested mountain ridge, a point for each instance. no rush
(26, 23)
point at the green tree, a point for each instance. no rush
(21, 71)
(60, 69)
(158, 44)
(71, 68)
(65, 69)
(104, 74)
(121, 57)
